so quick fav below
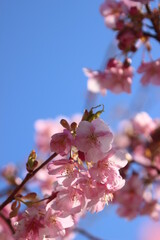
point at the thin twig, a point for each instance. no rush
(148, 34)
(152, 19)
(26, 179)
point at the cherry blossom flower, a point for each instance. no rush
(56, 224)
(143, 123)
(96, 81)
(139, 155)
(45, 128)
(65, 171)
(152, 209)
(96, 194)
(118, 77)
(70, 201)
(30, 224)
(61, 142)
(151, 72)
(107, 170)
(127, 38)
(115, 12)
(130, 198)
(98, 203)
(94, 139)
(77, 186)
(112, 12)
(42, 223)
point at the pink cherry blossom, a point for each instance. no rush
(151, 206)
(118, 77)
(29, 225)
(151, 72)
(130, 198)
(107, 170)
(70, 201)
(90, 186)
(61, 142)
(98, 203)
(96, 194)
(140, 156)
(82, 187)
(127, 38)
(65, 171)
(115, 12)
(41, 223)
(137, 192)
(143, 123)
(94, 139)
(152, 209)
(56, 224)
(112, 12)
(96, 81)
(45, 128)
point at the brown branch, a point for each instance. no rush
(148, 34)
(86, 234)
(152, 19)
(26, 179)
(8, 222)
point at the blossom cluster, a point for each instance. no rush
(140, 136)
(129, 19)
(91, 167)
(84, 177)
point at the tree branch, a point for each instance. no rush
(148, 34)
(26, 179)
(152, 19)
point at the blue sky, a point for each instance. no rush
(43, 47)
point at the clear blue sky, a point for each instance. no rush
(44, 44)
